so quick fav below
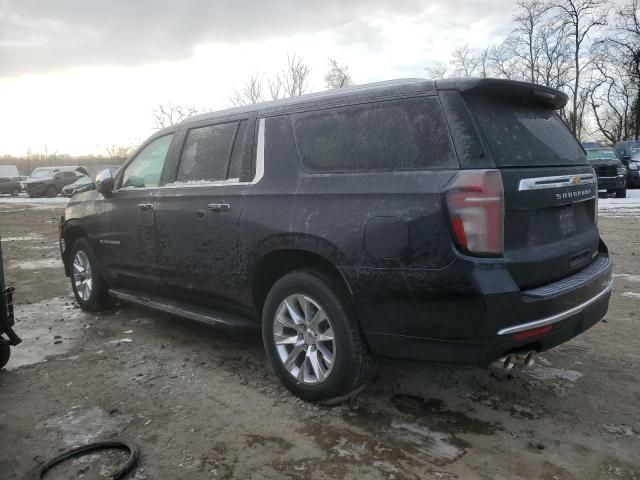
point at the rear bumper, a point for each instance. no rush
(485, 319)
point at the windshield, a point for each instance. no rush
(524, 134)
(83, 180)
(605, 154)
(42, 172)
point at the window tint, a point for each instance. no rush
(524, 134)
(236, 166)
(145, 170)
(408, 134)
(206, 153)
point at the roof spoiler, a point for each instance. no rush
(507, 89)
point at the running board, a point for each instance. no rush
(199, 314)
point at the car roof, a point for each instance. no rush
(390, 88)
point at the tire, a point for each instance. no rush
(349, 361)
(5, 353)
(15, 192)
(51, 191)
(621, 193)
(95, 297)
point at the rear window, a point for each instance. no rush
(407, 134)
(520, 134)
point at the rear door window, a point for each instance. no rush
(207, 152)
(405, 134)
(524, 134)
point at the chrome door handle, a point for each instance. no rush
(219, 207)
(145, 206)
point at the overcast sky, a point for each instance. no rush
(77, 75)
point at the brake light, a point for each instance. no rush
(475, 203)
(536, 332)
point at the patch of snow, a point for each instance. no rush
(38, 324)
(25, 238)
(82, 427)
(547, 373)
(631, 294)
(436, 446)
(36, 264)
(620, 207)
(626, 276)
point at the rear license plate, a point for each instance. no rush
(567, 221)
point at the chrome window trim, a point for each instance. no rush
(221, 183)
(558, 181)
(558, 316)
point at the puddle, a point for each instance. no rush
(418, 432)
(43, 334)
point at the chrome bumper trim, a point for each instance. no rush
(557, 317)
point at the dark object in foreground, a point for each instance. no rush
(8, 337)
(449, 221)
(129, 465)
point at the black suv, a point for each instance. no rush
(611, 172)
(49, 181)
(450, 221)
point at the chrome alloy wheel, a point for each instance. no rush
(82, 275)
(304, 339)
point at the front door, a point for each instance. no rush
(198, 214)
(127, 243)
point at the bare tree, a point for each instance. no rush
(525, 38)
(464, 62)
(116, 151)
(167, 115)
(338, 76)
(580, 17)
(295, 76)
(437, 70)
(251, 92)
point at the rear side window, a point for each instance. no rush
(206, 153)
(524, 134)
(407, 134)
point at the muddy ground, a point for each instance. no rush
(204, 404)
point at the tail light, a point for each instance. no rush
(475, 203)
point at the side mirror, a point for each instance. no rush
(104, 183)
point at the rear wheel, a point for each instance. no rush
(621, 193)
(89, 287)
(312, 338)
(15, 192)
(5, 353)
(51, 191)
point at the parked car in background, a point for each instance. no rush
(628, 152)
(83, 184)
(611, 172)
(356, 222)
(49, 181)
(9, 186)
(21, 179)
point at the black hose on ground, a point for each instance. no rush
(128, 466)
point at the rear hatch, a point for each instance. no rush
(550, 193)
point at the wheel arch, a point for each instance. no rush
(277, 262)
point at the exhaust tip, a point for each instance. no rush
(505, 363)
(527, 359)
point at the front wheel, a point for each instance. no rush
(51, 191)
(312, 338)
(15, 192)
(621, 193)
(89, 287)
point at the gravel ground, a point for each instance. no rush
(203, 403)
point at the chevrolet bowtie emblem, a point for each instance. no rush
(575, 180)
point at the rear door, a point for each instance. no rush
(550, 191)
(198, 213)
